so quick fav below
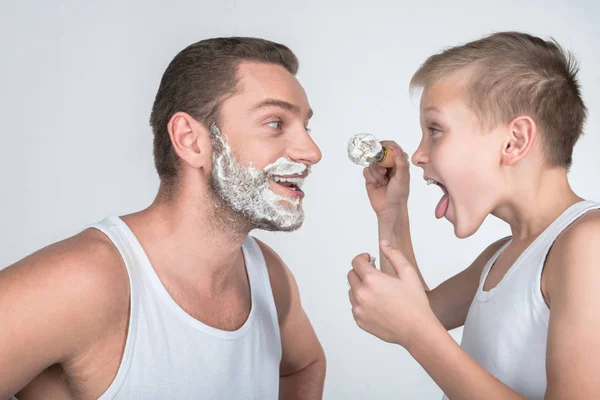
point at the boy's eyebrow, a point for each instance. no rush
(431, 108)
(293, 108)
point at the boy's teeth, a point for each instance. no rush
(430, 182)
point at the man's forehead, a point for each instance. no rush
(266, 85)
(265, 76)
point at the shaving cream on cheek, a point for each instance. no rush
(246, 188)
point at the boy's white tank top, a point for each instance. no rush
(506, 329)
(171, 355)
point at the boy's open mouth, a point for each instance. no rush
(442, 207)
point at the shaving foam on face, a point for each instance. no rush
(246, 188)
(364, 149)
(283, 167)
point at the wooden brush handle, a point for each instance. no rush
(388, 158)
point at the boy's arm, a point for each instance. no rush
(572, 278)
(388, 193)
(450, 301)
(396, 310)
(302, 369)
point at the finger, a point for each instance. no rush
(378, 170)
(390, 144)
(393, 146)
(395, 257)
(353, 279)
(352, 298)
(400, 158)
(362, 265)
(380, 174)
(370, 179)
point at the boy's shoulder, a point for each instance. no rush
(585, 231)
(573, 258)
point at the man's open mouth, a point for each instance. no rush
(290, 185)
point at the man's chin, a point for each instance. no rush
(282, 224)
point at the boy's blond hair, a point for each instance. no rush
(512, 74)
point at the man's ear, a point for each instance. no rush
(521, 135)
(190, 140)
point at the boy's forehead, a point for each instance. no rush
(443, 92)
(446, 100)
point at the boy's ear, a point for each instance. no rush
(190, 140)
(519, 141)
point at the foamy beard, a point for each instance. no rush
(246, 188)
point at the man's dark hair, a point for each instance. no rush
(197, 81)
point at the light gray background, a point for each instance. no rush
(77, 82)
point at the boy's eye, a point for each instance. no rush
(275, 124)
(433, 131)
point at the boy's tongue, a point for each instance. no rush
(442, 206)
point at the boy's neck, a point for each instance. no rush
(535, 201)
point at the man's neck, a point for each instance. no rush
(191, 238)
(535, 202)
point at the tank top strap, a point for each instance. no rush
(112, 227)
(566, 219)
(538, 258)
(260, 283)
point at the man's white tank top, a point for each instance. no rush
(171, 355)
(506, 329)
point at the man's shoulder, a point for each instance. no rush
(272, 259)
(75, 278)
(87, 259)
(283, 283)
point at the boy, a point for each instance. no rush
(500, 117)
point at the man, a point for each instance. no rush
(177, 301)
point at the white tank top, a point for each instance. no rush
(507, 327)
(171, 355)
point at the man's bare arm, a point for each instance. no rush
(52, 304)
(302, 367)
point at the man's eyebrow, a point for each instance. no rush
(293, 108)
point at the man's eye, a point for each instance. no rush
(275, 124)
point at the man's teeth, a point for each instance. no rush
(431, 182)
(295, 181)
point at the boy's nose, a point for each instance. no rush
(420, 156)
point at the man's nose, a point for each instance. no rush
(305, 150)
